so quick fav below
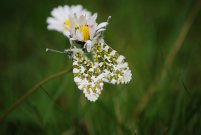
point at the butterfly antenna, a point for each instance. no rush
(66, 51)
(108, 19)
(52, 50)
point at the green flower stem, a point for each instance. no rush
(30, 92)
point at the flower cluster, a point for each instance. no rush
(80, 27)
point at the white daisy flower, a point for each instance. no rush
(60, 20)
(86, 31)
(78, 24)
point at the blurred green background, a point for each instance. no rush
(161, 99)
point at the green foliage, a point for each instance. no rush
(144, 31)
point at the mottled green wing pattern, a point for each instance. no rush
(87, 76)
(111, 63)
(107, 66)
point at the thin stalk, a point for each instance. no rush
(30, 92)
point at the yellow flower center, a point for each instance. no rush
(85, 32)
(84, 29)
(67, 22)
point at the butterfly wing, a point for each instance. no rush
(112, 64)
(87, 76)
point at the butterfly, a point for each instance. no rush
(107, 66)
